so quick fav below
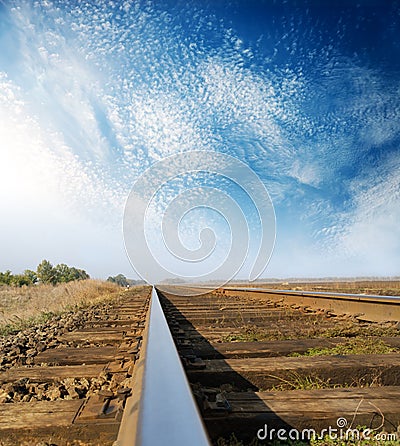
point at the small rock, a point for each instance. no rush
(4, 397)
(72, 392)
(53, 394)
(30, 352)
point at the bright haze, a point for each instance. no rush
(306, 93)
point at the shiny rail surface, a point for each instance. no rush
(162, 409)
(358, 297)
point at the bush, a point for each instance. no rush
(120, 280)
(45, 273)
(20, 280)
(31, 276)
(6, 277)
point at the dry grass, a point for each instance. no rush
(307, 329)
(378, 287)
(21, 307)
(296, 381)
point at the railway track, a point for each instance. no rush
(232, 365)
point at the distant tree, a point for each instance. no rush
(67, 274)
(120, 280)
(79, 274)
(63, 273)
(31, 276)
(20, 280)
(46, 273)
(6, 277)
(27, 278)
(136, 282)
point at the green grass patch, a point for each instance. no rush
(295, 381)
(352, 346)
(350, 330)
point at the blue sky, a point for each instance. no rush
(307, 93)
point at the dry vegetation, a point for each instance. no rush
(377, 287)
(314, 327)
(22, 307)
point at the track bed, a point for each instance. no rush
(251, 360)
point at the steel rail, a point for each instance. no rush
(358, 297)
(162, 410)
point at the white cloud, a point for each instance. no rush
(372, 236)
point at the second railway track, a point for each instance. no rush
(254, 363)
